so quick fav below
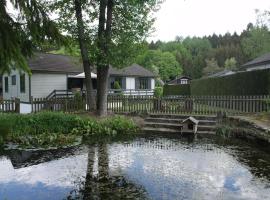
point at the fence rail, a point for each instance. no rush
(9, 105)
(65, 104)
(205, 105)
(190, 104)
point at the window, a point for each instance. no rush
(22, 83)
(6, 84)
(13, 80)
(184, 81)
(143, 83)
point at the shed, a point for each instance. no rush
(190, 125)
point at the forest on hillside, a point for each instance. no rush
(195, 57)
(201, 56)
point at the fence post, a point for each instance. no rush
(17, 105)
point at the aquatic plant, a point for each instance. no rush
(51, 129)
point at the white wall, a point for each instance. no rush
(43, 84)
(130, 83)
(14, 90)
(152, 83)
(25, 108)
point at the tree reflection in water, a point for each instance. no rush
(104, 186)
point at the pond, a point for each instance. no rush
(147, 167)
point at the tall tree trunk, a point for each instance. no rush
(90, 98)
(104, 39)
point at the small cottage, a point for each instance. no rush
(182, 80)
(190, 125)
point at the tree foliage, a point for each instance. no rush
(164, 63)
(257, 42)
(211, 67)
(24, 28)
(230, 64)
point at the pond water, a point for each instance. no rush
(148, 167)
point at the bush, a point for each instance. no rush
(109, 127)
(158, 92)
(176, 90)
(5, 129)
(79, 100)
(116, 85)
(245, 83)
(48, 129)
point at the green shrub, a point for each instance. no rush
(5, 129)
(120, 124)
(109, 127)
(158, 92)
(176, 90)
(78, 100)
(48, 129)
(245, 83)
(116, 85)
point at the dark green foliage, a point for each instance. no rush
(79, 100)
(176, 90)
(23, 31)
(158, 92)
(49, 129)
(246, 83)
(5, 129)
(116, 85)
(120, 124)
(109, 127)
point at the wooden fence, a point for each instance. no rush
(206, 105)
(64, 104)
(10, 105)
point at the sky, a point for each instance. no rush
(204, 17)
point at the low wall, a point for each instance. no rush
(244, 128)
(25, 108)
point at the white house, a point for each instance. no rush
(58, 72)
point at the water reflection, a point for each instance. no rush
(146, 168)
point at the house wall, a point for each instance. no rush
(152, 83)
(14, 90)
(43, 84)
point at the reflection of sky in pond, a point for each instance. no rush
(181, 172)
(51, 180)
(165, 168)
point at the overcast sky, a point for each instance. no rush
(205, 17)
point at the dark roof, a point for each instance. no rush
(225, 72)
(258, 61)
(47, 62)
(175, 81)
(133, 70)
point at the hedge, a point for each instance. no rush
(244, 83)
(176, 90)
